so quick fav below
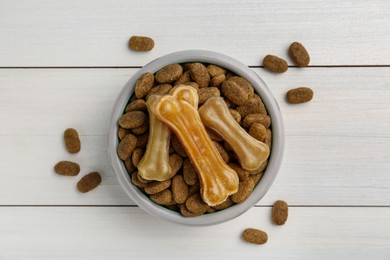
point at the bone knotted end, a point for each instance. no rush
(179, 112)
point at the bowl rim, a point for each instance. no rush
(274, 162)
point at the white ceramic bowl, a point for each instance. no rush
(277, 138)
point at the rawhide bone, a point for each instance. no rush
(217, 179)
(250, 152)
(154, 165)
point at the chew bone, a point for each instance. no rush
(154, 165)
(217, 179)
(250, 152)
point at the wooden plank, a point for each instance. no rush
(336, 145)
(347, 101)
(106, 233)
(95, 33)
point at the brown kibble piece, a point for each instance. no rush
(213, 135)
(141, 179)
(173, 207)
(258, 131)
(132, 119)
(200, 75)
(123, 132)
(280, 212)
(242, 174)
(188, 65)
(194, 189)
(299, 95)
(210, 210)
(254, 236)
(72, 140)
(136, 181)
(163, 198)
(179, 189)
(157, 186)
(268, 138)
(130, 166)
(184, 78)
(142, 140)
(126, 146)
(144, 84)
(222, 152)
(196, 205)
(256, 177)
(137, 155)
(233, 92)
(227, 146)
(189, 173)
(175, 162)
(245, 189)
(67, 168)
(206, 93)
(215, 70)
(162, 89)
(141, 129)
(265, 120)
(227, 203)
(186, 213)
(136, 105)
(89, 182)
(217, 80)
(299, 54)
(244, 84)
(177, 146)
(252, 106)
(230, 74)
(235, 115)
(275, 64)
(141, 43)
(169, 73)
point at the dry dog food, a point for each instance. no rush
(127, 146)
(299, 54)
(166, 172)
(255, 236)
(200, 74)
(169, 73)
(144, 84)
(72, 141)
(67, 168)
(299, 95)
(280, 212)
(132, 119)
(275, 64)
(89, 182)
(141, 43)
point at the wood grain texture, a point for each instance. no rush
(336, 146)
(129, 233)
(96, 32)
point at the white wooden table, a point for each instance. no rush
(63, 64)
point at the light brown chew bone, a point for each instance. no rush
(217, 179)
(154, 165)
(250, 152)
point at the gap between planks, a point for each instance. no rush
(138, 67)
(135, 206)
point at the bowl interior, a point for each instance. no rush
(275, 158)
